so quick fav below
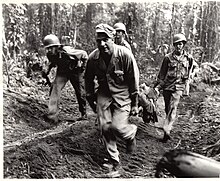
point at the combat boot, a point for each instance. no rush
(114, 169)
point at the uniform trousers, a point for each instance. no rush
(171, 99)
(114, 122)
(77, 81)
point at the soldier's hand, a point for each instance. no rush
(92, 102)
(134, 111)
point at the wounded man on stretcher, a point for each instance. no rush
(147, 104)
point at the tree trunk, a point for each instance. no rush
(155, 26)
(171, 23)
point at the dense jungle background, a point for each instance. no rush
(34, 148)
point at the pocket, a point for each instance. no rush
(172, 70)
(184, 70)
(119, 76)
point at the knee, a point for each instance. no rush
(117, 126)
(172, 111)
(114, 125)
(173, 115)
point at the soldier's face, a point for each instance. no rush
(179, 46)
(104, 43)
(52, 50)
(119, 34)
(119, 37)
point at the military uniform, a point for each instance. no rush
(70, 64)
(120, 39)
(117, 74)
(125, 44)
(172, 78)
(117, 83)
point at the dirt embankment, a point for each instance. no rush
(34, 148)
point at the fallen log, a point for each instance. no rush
(33, 138)
(186, 164)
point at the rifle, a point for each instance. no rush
(187, 84)
(47, 82)
(44, 75)
(187, 87)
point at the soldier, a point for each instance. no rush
(165, 49)
(173, 77)
(117, 95)
(121, 34)
(70, 65)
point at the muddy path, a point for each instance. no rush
(34, 148)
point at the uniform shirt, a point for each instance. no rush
(125, 44)
(174, 71)
(118, 82)
(68, 60)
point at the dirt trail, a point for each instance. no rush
(34, 148)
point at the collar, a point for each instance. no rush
(114, 54)
(184, 54)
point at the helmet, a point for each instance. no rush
(120, 26)
(51, 40)
(178, 38)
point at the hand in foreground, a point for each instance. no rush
(134, 111)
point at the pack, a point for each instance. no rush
(76, 55)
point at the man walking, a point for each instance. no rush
(117, 95)
(172, 79)
(121, 33)
(70, 64)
